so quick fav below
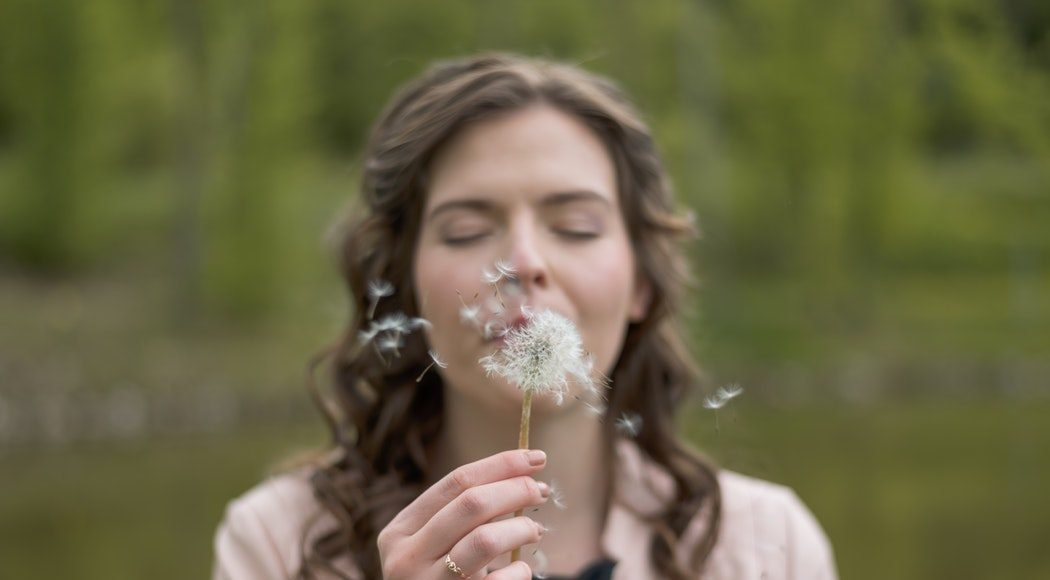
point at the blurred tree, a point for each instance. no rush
(192, 132)
(41, 81)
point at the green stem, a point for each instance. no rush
(523, 443)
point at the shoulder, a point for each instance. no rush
(765, 530)
(263, 532)
(767, 523)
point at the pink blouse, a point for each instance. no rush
(766, 531)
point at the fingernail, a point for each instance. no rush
(536, 457)
(545, 490)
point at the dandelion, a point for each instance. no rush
(378, 289)
(434, 360)
(629, 424)
(539, 357)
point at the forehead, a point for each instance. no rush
(522, 155)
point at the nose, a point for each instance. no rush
(528, 258)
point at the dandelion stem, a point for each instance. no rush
(523, 443)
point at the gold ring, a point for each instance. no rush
(452, 567)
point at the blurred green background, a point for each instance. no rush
(872, 179)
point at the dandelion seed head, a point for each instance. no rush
(541, 355)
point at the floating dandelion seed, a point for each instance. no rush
(391, 343)
(722, 396)
(629, 424)
(387, 333)
(503, 271)
(470, 315)
(596, 409)
(396, 322)
(541, 561)
(435, 360)
(715, 402)
(730, 391)
(378, 289)
(557, 497)
(417, 323)
(505, 268)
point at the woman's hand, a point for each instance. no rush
(454, 518)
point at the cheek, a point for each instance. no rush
(437, 281)
(604, 299)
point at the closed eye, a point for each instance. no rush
(577, 234)
(464, 240)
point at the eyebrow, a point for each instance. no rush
(559, 198)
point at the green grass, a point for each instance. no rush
(142, 510)
(904, 492)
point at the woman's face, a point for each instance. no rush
(536, 189)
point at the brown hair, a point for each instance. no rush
(380, 417)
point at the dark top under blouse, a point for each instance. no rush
(599, 570)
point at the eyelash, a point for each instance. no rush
(577, 236)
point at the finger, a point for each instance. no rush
(477, 506)
(515, 571)
(490, 469)
(485, 543)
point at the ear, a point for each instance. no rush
(641, 298)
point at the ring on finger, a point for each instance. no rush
(452, 567)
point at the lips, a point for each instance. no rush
(502, 328)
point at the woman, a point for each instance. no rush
(543, 177)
